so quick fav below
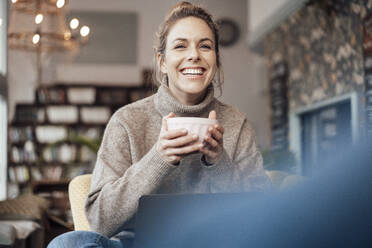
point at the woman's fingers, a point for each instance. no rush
(174, 159)
(209, 153)
(212, 142)
(183, 150)
(172, 134)
(219, 128)
(212, 115)
(180, 141)
(164, 126)
(216, 132)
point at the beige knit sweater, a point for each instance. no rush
(128, 165)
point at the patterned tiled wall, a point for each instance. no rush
(323, 50)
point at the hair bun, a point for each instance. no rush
(184, 3)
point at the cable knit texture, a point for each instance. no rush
(128, 165)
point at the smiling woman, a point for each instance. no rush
(189, 60)
(140, 156)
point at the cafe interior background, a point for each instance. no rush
(299, 69)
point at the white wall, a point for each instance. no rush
(244, 72)
(3, 149)
(260, 10)
(266, 15)
(3, 37)
(3, 101)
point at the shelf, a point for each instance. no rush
(20, 143)
(79, 105)
(11, 163)
(60, 113)
(49, 185)
(78, 124)
(44, 163)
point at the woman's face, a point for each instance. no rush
(189, 60)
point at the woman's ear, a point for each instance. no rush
(162, 66)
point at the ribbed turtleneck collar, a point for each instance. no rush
(166, 103)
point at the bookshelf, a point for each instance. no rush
(48, 138)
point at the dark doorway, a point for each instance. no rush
(326, 132)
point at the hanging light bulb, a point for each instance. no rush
(36, 39)
(48, 31)
(60, 3)
(74, 23)
(84, 31)
(39, 18)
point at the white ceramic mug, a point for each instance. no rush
(194, 125)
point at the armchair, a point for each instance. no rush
(78, 190)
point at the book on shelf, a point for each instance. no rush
(67, 153)
(24, 154)
(81, 95)
(20, 134)
(12, 175)
(91, 132)
(87, 155)
(50, 134)
(63, 114)
(53, 173)
(112, 96)
(51, 95)
(18, 174)
(64, 153)
(36, 174)
(95, 114)
(16, 154)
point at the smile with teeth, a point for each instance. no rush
(193, 71)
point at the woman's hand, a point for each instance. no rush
(175, 144)
(213, 142)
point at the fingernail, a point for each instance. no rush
(201, 145)
(216, 126)
(210, 129)
(195, 136)
(184, 131)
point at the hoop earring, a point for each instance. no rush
(165, 80)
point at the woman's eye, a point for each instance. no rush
(206, 46)
(179, 46)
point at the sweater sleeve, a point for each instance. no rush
(244, 171)
(117, 184)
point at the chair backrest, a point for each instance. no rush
(78, 190)
(282, 180)
(292, 180)
(276, 177)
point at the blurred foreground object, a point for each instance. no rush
(330, 209)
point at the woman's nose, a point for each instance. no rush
(193, 54)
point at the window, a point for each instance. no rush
(326, 132)
(3, 37)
